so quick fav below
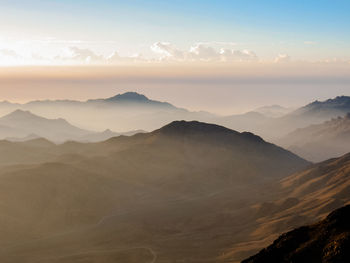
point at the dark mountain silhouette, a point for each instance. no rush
(320, 141)
(326, 241)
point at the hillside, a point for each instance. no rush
(326, 241)
(189, 191)
(302, 198)
(176, 193)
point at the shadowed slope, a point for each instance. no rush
(326, 241)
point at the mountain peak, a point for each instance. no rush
(20, 114)
(195, 128)
(182, 127)
(337, 101)
(129, 97)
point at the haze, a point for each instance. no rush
(152, 131)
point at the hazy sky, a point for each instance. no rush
(222, 56)
(62, 31)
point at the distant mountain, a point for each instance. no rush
(134, 111)
(313, 113)
(273, 111)
(107, 134)
(21, 126)
(23, 123)
(320, 141)
(319, 111)
(28, 137)
(250, 121)
(327, 109)
(326, 241)
(133, 99)
(123, 112)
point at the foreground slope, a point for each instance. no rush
(326, 241)
(180, 193)
(302, 198)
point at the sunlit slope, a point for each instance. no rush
(302, 198)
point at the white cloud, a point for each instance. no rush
(88, 56)
(237, 55)
(84, 54)
(201, 52)
(167, 50)
(282, 58)
(116, 58)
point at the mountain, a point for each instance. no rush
(133, 99)
(302, 198)
(327, 109)
(273, 111)
(124, 112)
(275, 128)
(28, 137)
(180, 193)
(21, 126)
(250, 121)
(316, 112)
(107, 134)
(134, 111)
(325, 241)
(23, 123)
(320, 141)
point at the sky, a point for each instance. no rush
(224, 46)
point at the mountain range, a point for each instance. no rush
(189, 191)
(320, 141)
(22, 125)
(172, 194)
(133, 111)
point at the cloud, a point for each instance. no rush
(204, 53)
(237, 55)
(201, 52)
(282, 58)
(167, 50)
(83, 54)
(116, 58)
